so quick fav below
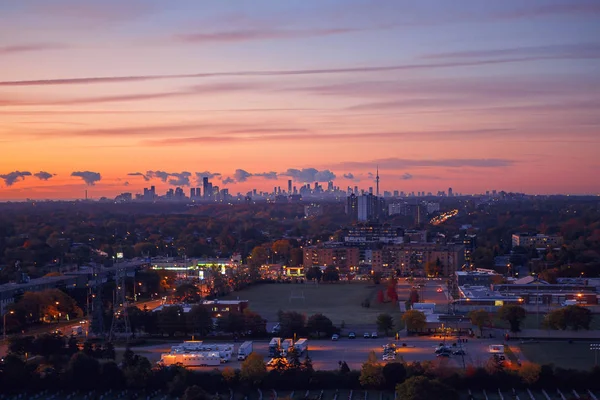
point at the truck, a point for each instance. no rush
(274, 347)
(286, 345)
(244, 351)
(199, 359)
(301, 346)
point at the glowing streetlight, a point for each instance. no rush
(4, 322)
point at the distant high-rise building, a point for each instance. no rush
(396, 194)
(450, 193)
(192, 193)
(368, 207)
(352, 207)
(205, 188)
(330, 186)
(289, 186)
(371, 190)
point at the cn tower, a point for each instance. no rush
(377, 181)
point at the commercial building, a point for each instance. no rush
(536, 240)
(479, 277)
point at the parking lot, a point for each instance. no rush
(326, 354)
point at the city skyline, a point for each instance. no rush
(116, 96)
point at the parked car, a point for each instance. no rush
(335, 337)
(445, 354)
(443, 349)
(459, 353)
(352, 335)
(374, 335)
(367, 335)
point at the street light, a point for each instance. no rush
(4, 322)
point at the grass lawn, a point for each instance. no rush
(339, 301)
(576, 355)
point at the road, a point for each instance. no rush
(326, 354)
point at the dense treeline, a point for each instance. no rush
(576, 220)
(63, 366)
(43, 236)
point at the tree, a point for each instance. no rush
(229, 376)
(529, 373)
(331, 274)
(480, 318)
(258, 256)
(282, 249)
(393, 374)
(415, 320)
(188, 293)
(314, 273)
(385, 323)
(254, 323)
(376, 277)
(423, 388)
(253, 369)
(234, 322)
(391, 292)
(199, 320)
(574, 317)
(171, 319)
(307, 365)
(414, 296)
(294, 359)
(318, 323)
(291, 322)
(371, 374)
(83, 371)
(195, 392)
(513, 314)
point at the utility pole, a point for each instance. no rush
(120, 325)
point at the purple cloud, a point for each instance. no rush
(321, 71)
(90, 178)
(22, 48)
(15, 176)
(146, 178)
(43, 175)
(400, 163)
(180, 178)
(260, 34)
(228, 180)
(309, 175)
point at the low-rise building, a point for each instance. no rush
(412, 258)
(536, 240)
(342, 257)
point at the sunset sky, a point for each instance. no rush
(469, 94)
